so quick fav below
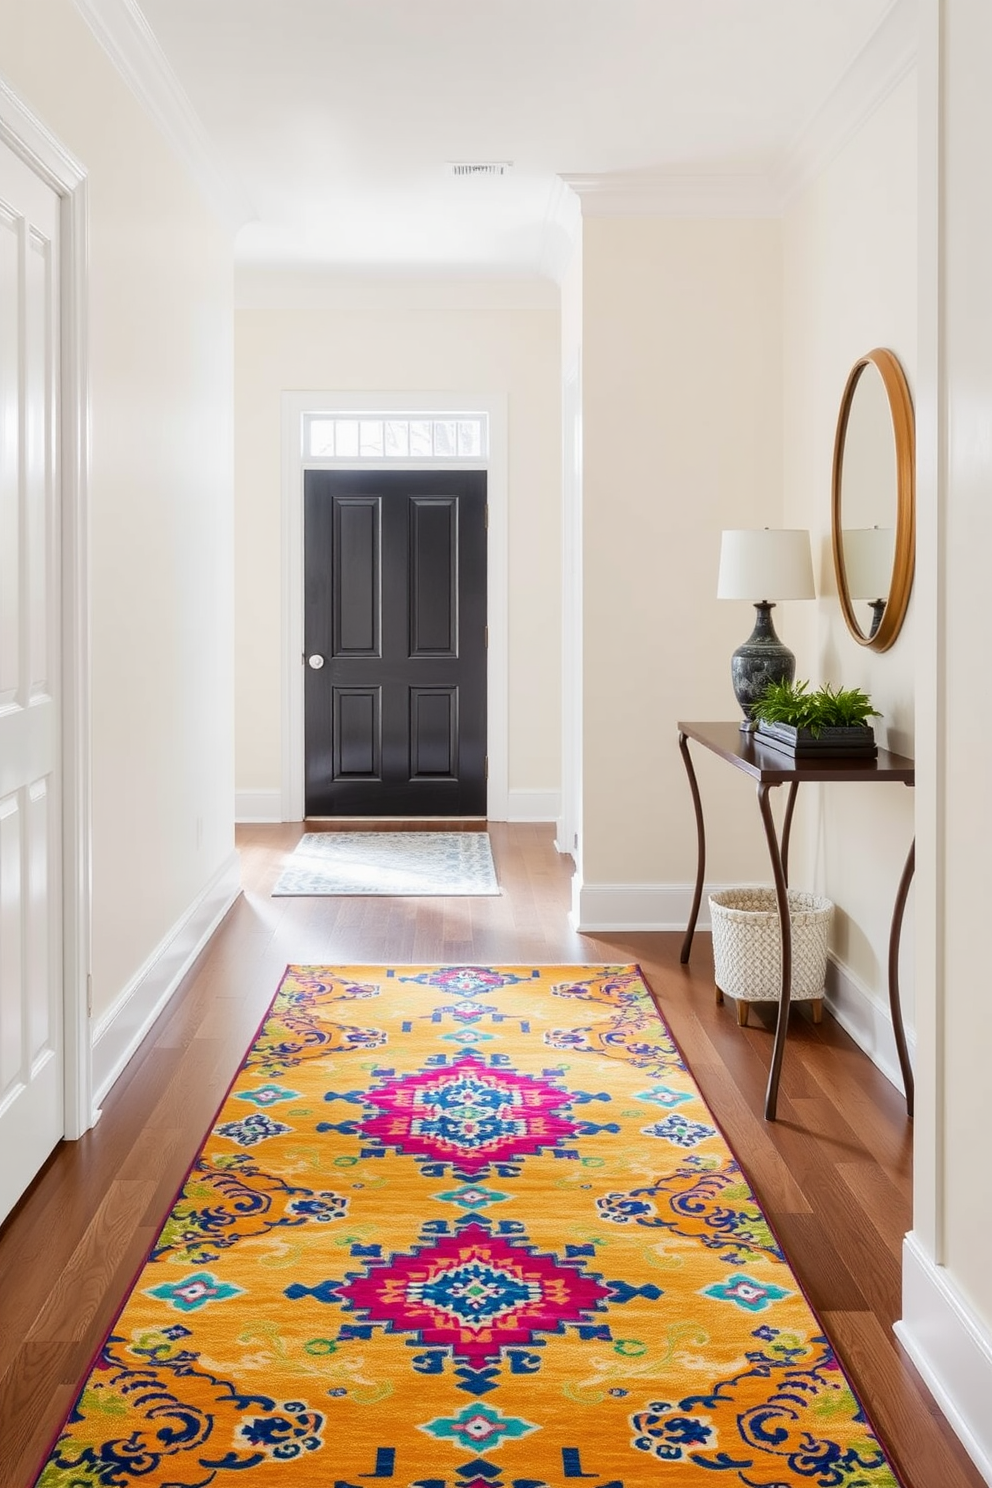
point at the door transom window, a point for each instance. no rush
(360, 436)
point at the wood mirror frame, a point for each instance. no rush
(903, 429)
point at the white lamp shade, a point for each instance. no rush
(868, 558)
(765, 563)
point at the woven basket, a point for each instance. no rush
(747, 943)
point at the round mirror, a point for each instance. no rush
(873, 516)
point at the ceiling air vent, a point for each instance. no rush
(479, 167)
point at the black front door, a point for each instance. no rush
(395, 627)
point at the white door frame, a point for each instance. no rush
(22, 132)
(568, 837)
(294, 464)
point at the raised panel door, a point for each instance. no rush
(31, 1054)
(395, 627)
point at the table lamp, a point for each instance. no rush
(763, 565)
(868, 557)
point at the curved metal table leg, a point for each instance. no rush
(895, 1006)
(782, 896)
(700, 850)
(790, 807)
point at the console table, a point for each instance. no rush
(770, 768)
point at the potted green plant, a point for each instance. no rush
(831, 722)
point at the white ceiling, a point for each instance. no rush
(338, 118)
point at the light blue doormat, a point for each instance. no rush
(400, 864)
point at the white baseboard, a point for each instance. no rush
(533, 805)
(951, 1348)
(867, 1019)
(615, 906)
(117, 1034)
(258, 806)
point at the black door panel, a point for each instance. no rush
(355, 550)
(395, 603)
(356, 725)
(434, 577)
(434, 733)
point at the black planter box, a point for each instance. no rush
(850, 741)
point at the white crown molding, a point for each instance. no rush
(562, 222)
(885, 59)
(878, 68)
(661, 193)
(130, 43)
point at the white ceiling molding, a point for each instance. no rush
(888, 56)
(561, 229)
(677, 194)
(886, 59)
(129, 42)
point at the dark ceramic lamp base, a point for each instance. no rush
(761, 659)
(877, 611)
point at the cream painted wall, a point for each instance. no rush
(432, 345)
(682, 334)
(160, 315)
(850, 284)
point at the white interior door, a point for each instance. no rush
(31, 1055)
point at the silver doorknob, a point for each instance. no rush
(316, 662)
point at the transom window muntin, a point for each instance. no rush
(396, 436)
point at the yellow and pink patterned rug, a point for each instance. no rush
(466, 1227)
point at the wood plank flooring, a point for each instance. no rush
(833, 1173)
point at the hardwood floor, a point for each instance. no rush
(833, 1173)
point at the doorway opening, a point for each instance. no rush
(387, 427)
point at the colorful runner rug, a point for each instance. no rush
(466, 1228)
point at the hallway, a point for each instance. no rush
(833, 1173)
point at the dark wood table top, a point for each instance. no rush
(771, 767)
